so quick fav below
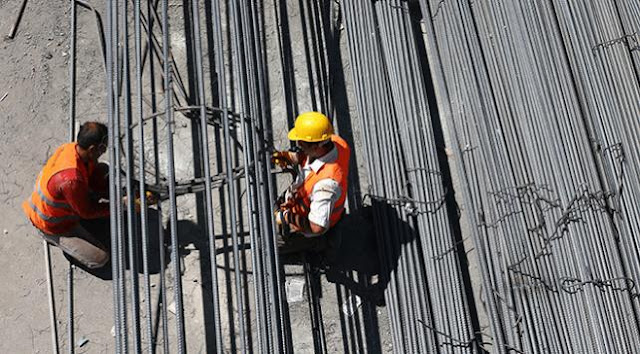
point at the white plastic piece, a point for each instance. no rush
(295, 288)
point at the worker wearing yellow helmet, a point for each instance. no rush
(315, 201)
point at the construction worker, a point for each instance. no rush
(68, 192)
(314, 203)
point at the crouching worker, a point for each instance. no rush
(66, 197)
(314, 203)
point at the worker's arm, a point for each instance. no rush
(323, 198)
(287, 158)
(99, 180)
(76, 194)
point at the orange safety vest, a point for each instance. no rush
(47, 213)
(337, 170)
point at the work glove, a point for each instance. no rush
(281, 223)
(280, 216)
(136, 203)
(151, 198)
(287, 204)
(282, 158)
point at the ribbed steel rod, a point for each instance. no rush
(220, 69)
(173, 218)
(53, 322)
(253, 179)
(207, 174)
(156, 163)
(120, 236)
(144, 220)
(132, 238)
(248, 104)
(72, 131)
(114, 172)
(262, 132)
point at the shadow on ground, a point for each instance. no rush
(364, 250)
(356, 249)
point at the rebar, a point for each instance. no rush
(72, 131)
(53, 322)
(16, 23)
(545, 168)
(498, 139)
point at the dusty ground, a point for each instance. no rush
(34, 120)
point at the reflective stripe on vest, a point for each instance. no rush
(50, 202)
(48, 213)
(52, 219)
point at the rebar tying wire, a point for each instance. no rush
(575, 285)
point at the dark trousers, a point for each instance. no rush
(327, 244)
(298, 243)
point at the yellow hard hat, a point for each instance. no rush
(311, 127)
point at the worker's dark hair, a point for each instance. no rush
(92, 133)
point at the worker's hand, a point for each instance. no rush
(277, 214)
(152, 199)
(136, 203)
(287, 200)
(283, 158)
(280, 216)
(288, 204)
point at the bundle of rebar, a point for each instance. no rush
(542, 100)
(230, 109)
(236, 120)
(426, 297)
